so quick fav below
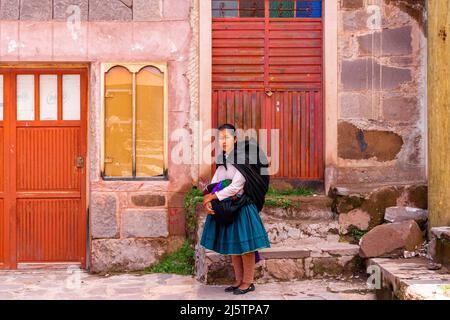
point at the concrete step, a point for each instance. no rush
(311, 259)
(408, 279)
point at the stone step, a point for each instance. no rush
(299, 208)
(285, 232)
(288, 232)
(308, 261)
(306, 217)
(408, 279)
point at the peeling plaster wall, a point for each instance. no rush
(382, 92)
(132, 223)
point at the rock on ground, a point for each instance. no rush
(391, 239)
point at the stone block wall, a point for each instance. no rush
(382, 92)
(95, 10)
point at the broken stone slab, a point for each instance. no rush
(439, 246)
(441, 232)
(391, 239)
(356, 218)
(398, 214)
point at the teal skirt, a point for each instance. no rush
(245, 234)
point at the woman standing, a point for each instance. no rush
(246, 233)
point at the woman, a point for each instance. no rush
(246, 234)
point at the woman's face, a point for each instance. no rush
(226, 140)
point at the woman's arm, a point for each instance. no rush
(236, 185)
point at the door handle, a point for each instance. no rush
(80, 162)
(269, 93)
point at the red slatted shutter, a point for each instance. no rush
(267, 74)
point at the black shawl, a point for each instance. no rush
(252, 163)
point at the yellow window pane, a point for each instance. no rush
(149, 122)
(118, 123)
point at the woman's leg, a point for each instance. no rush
(238, 269)
(248, 261)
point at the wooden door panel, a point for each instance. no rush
(46, 159)
(3, 171)
(2, 229)
(42, 190)
(296, 115)
(48, 230)
(2, 162)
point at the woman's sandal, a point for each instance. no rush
(244, 291)
(231, 288)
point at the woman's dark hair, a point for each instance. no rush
(227, 126)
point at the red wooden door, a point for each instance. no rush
(44, 139)
(267, 74)
(4, 81)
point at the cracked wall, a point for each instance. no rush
(382, 92)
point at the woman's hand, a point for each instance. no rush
(208, 198)
(207, 202)
(208, 208)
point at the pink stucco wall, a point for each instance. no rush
(166, 40)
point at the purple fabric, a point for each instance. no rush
(257, 257)
(221, 185)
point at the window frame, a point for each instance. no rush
(133, 68)
(267, 12)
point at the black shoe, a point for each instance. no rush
(240, 291)
(230, 288)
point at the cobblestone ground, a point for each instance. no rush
(79, 285)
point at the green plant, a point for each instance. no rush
(191, 199)
(290, 192)
(180, 262)
(356, 233)
(278, 202)
(445, 289)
